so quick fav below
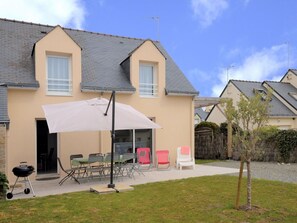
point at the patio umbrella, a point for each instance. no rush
(95, 115)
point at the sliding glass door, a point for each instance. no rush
(127, 141)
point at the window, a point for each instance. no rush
(262, 93)
(147, 80)
(59, 80)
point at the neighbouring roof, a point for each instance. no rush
(285, 90)
(201, 113)
(277, 108)
(101, 58)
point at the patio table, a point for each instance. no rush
(120, 161)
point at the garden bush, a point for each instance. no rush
(3, 185)
(224, 128)
(211, 125)
(286, 143)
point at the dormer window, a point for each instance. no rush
(261, 92)
(59, 81)
(148, 86)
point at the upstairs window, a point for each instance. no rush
(59, 81)
(148, 86)
(261, 92)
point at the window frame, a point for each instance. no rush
(69, 86)
(154, 84)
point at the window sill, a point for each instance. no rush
(148, 96)
(60, 94)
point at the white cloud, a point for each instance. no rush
(259, 66)
(68, 13)
(208, 10)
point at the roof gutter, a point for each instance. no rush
(181, 93)
(107, 90)
(28, 86)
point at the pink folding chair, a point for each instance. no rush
(144, 157)
(162, 157)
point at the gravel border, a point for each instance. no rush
(264, 170)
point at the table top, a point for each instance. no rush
(122, 159)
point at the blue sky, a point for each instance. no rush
(210, 40)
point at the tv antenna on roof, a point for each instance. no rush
(227, 71)
(288, 53)
(157, 20)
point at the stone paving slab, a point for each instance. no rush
(51, 187)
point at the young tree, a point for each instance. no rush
(250, 114)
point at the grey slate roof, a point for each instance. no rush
(201, 113)
(277, 108)
(101, 58)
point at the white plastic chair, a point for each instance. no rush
(184, 157)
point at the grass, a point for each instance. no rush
(200, 161)
(203, 199)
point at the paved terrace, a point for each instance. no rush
(51, 187)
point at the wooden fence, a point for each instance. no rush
(210, 145)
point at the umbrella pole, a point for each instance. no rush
(112, 185)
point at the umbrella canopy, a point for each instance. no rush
(89, 115)
(95, 115)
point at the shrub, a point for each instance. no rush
(211, 125)
(268, 133)
(3, 185)
(286, 142)
(224, 128)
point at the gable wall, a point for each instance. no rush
(291, 78)
(217, 114)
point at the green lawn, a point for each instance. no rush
(203, 199)
(200, 161)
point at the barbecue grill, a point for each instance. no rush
(24, 171)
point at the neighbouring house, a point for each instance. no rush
(200, 115)
(283, 106)
(201, 107)
(41, 64)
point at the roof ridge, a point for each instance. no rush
(246, 81)
(71, 29)
(24, 22)
(277, 82)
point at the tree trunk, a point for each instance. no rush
(239, 184)
(249, 184)
(229, 140)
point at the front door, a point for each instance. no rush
(46, 149)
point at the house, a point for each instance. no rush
(202, 105)
(200, 115)
(41, 64)
(283, 106)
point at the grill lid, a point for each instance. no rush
(23, 170)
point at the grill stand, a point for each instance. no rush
(27, 183)
(25, 180)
